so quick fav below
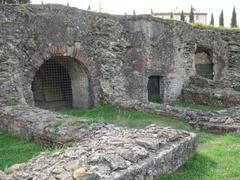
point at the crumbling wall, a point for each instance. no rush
(119, 53)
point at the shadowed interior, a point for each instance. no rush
(61, 82)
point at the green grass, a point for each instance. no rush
(126, 117)
(197, 106)
(155, 98)
(218, 157)
(215, 159)
(100, 14)
(13, 150)
(206, 26)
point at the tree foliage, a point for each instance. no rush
(212, 20)
(234, 18)
(191, 16)
(221, 19)
(89, 8)
(182, 16)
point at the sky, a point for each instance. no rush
(145, 6)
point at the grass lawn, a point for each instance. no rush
(13, 150)
(197, 106)
(218, 157)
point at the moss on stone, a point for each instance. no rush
(57, 123)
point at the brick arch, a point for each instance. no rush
(72, 52)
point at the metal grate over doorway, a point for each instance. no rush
(52, 86)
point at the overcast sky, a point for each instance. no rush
(145, 6)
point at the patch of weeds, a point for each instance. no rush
(236, 88)
(24, 5)
(83, 125)
(204, 26)
(57, 123)
(100, 14)
(155, 98)
(12, 102)
(51, 149)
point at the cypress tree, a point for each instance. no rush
(89, 8)
(212, 20)
(171, 15)
(191, 16)
(234, 18)
(151, 12)
(182, 16)
(134, 13)
(221, 19)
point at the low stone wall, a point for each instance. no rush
(217, 122)
(204, 91)
(42, 125)
(110, 152)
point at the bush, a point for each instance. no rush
(236, 88)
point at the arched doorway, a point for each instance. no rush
(61, 82)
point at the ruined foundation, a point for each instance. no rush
(110, 152)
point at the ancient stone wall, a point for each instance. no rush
(120, 53)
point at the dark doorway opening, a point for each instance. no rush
(155, 89)
(52, 87)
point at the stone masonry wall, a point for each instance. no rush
(119, 52)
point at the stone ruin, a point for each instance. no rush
(110, 152)
(54, 57)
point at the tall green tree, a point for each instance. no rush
(234, 18)
(191, 16)
(171, 15)
(151, 12)
(89, 8)
(212, 20)
(134, 12)
(182, 18)
(221, 19)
